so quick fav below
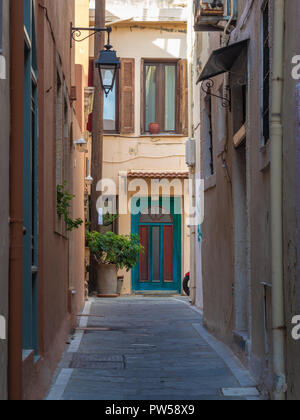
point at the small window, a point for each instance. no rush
(156, 214)
(160, 83)
(266, 73)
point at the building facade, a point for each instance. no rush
(46, 280)
(4, 173)
(151, 87)
(234, 99)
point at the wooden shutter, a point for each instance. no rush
(142, 96)
(91, 72)
(182, 97)
(127, 117)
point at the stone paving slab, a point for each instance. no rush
(151, 352)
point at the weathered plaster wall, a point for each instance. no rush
(200, 57)
(123, 154)
(77, 237)
(4, 192)
(219, 258)
(291, 156)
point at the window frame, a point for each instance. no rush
(160, 93)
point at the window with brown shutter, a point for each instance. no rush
(164, 95)
(127, 114)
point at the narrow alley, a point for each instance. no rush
(153, 349)
(150, 201)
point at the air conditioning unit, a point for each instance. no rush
(209, 14)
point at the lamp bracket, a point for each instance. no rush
(206, 88)
(76, 33)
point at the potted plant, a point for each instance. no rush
(112, 253)
(154, 128)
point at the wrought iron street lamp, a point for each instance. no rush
(107, 63)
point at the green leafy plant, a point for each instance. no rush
(108, 219)
(120, 250)
(64, 200)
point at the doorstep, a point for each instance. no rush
(157, 293)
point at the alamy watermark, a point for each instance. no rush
(296, 329)
(132, 196)
(296, 76)
(296, 67)
(2, 328)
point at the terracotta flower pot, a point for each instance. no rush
(154, 128)
(107, 279)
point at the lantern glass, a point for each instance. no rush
(108, 74)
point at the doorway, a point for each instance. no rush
(159, 267)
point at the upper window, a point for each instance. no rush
(160, 83)
(164, 93)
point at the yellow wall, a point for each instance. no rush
(82, 20)
(163, 152)
(134, 151)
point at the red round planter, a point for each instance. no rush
(154, 128)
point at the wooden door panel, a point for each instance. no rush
(144, 258)
(168, 254)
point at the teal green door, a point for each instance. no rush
(159, 229)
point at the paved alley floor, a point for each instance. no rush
(149, 349)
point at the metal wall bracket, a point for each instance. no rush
(76, 33)
(206, 87)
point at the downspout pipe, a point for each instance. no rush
(276, 137)
(190, 49)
